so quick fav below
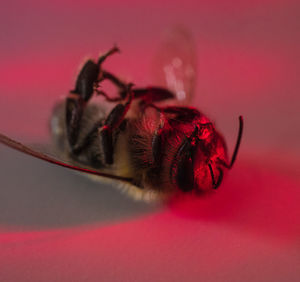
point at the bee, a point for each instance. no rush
(139, 137)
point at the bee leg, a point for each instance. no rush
(147, 95)
(107, 98)
(105, 75)
(90, 74)
(157, 147)
(102, 58)
(117, 82)
(113, 122)
(182, 168)
(151, 94)
(183, 114)
(158, 143)
(84, 89)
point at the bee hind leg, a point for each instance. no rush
(105, 75)
(77, 99)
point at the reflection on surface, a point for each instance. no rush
(42, 196)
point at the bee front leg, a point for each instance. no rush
(182, 168)
(158, 142)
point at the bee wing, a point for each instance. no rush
(175, 64)
(47, 154)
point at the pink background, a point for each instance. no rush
(58, 226)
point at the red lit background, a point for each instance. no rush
(58, 226)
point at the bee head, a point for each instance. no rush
(202, 159)
(195, 166)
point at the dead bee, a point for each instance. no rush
(151, 147)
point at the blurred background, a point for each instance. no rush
(58, 226)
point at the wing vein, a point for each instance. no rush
(27, 150)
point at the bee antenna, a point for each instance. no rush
(238, 142)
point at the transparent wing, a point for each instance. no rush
(48, 154)
(175, 64)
